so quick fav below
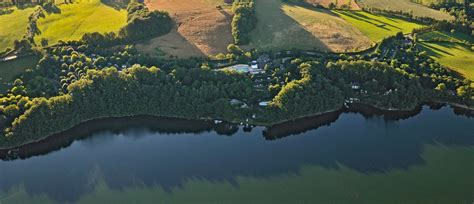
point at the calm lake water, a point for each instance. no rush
(337, 158)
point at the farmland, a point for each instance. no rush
(406, 6)
(201, 28)
(377, 27)
(78, 18)
(286, 26)
(351, 4)
(450, 51)
(428, 2)
(13, 26)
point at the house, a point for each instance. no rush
(254, 65)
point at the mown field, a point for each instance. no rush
(406, 6)
(451, 51)
(79, 18)
(13, 26)
(286, 26)
(377, 27)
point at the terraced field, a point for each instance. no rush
(79, 18)
(13, 26)
(406, 6)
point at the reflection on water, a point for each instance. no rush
(169, 152)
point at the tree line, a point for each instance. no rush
(244, 20)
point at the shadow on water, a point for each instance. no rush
(167, 152)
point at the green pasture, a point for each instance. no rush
(406, 6)
(377, 27)
(13, 26)
(78, 18)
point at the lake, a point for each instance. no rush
(341, 157)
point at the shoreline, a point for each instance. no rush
(365, 109)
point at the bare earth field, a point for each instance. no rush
(201, 29)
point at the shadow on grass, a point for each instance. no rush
(172, 44)
(277, 30)
(116, 4)
(369, 20)
(434, 51)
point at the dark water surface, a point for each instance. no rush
(168, 152)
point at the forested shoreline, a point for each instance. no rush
(100, 77)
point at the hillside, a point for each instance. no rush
(201, 29)
(406, 6)
(450, 50)
(13, 26)
(286, 26)
(78, 18)
(377, 27)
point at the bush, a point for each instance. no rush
(144, 24)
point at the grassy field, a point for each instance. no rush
(445, 177)
(201, 28)
(428, 2)
(407, 6)
(79, 18)
(454, 54)
(13, 26)
(286, 26)
(377, 27)
(10, 70)
(457, 37)
(352, 4)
